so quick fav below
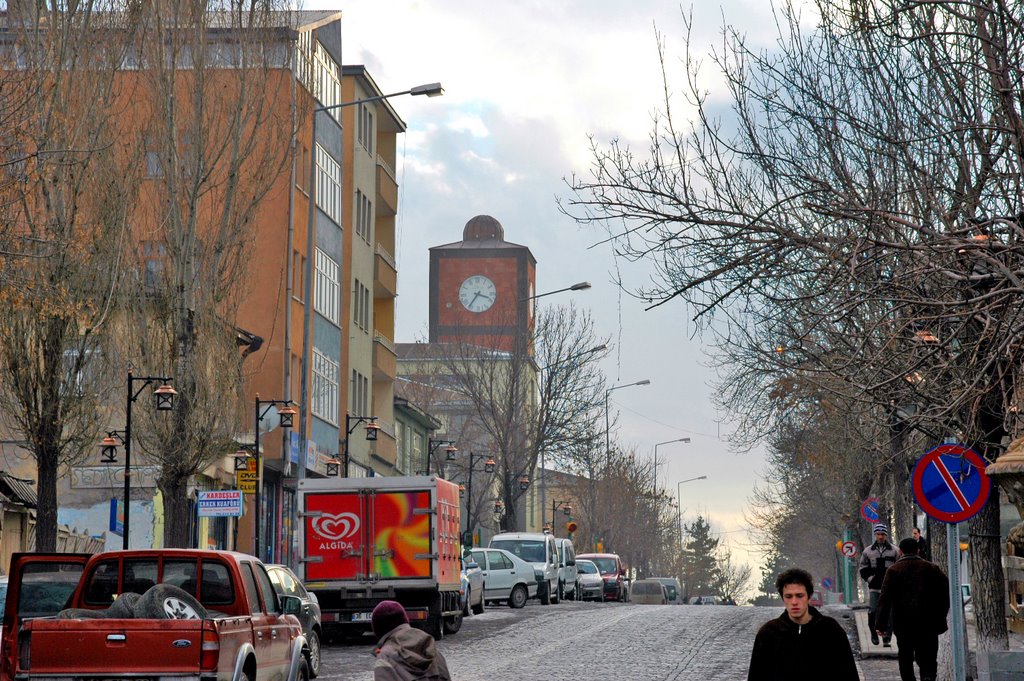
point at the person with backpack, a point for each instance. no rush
(404, 653)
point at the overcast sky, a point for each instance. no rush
(526, 84)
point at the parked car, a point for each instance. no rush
(591, 583)
(568, 574)
(672, 588)
(539, 550)
(648, 592)
(472, 589)
(612, 572)
(507, 577)
(3, 600)
(287, 584)
(705, 600)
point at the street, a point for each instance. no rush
(585, 640)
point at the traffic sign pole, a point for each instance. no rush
(847, 571)
(956, 601)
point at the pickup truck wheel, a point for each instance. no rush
(452, 624)
(478, 609)
(168, 602)
(545, 593)
(314, 654)
(518, 597)
(302, 673)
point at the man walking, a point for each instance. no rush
(801, 644)
(915, 600)
(875, 560)
(923, 550)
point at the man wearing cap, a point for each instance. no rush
(875, 560)
(404, 653)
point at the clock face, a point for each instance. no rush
(477, 293)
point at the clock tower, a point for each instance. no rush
(481, 289)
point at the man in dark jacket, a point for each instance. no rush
(875, 560)
(802, 644)
(915, 600)
(404, 653)
(923, 549)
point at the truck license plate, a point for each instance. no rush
(361, 616)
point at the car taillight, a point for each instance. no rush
(210, 653)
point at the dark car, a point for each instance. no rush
(287, 584)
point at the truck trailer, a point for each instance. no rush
(365, 540)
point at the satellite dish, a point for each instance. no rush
(271, 419)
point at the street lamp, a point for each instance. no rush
(286, 419)
(163, 400)
(666, 442)
(350, 424)
(607, 425)
(430, 90)
(579, 286)
(489, 466)
(566, 509)
(451, 452)
(679, 504)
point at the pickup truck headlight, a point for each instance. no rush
(538, 575)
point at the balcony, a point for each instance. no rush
(387, 188)
(384, 359)
(386, 447)
(385, 274)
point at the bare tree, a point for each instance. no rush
(64, 203)
(211, 79)
(860, 209)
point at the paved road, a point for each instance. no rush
(573, 641)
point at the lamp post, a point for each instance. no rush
(489, 466)
(566, 509)
(430, 90)
(679, 504)
(607, 424)
(163, 399)
(666, 442)
(451, 452)
(350, 424)
(287, 419)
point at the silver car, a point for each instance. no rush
(591, 582)
(287, 584)
(507, 577)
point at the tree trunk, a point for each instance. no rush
(46, 510)
(987, 589)
(176, 512)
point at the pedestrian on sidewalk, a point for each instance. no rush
(915, 599)
(923, 549)
(875, 560)
(404, 653)
(801, 644)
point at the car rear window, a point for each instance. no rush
(532, 551)
(607, 566)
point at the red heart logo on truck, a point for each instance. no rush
(336, 527)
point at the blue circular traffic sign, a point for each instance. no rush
(950, 484)
(869, 510)
(826, 582)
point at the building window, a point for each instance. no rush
(154, 166)
(324, 400)
(365, 128)
(364, 216)
(298, 276)
(319, 72)
(154, 263)
(360, 397)
(327, 297)
(328, 184)
(401, 446)
(361, 306)
(302, 169)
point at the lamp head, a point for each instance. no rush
(430, 90)
(489, 465)
(108, 449)
(287, 416)
(524, 482)
(646, 381)
(164, 397)
(333, 467)
(451, 452)
(581, 286)
(371, 431)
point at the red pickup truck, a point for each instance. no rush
(153, 614)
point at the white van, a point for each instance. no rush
(568, 576)
(539, 550)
